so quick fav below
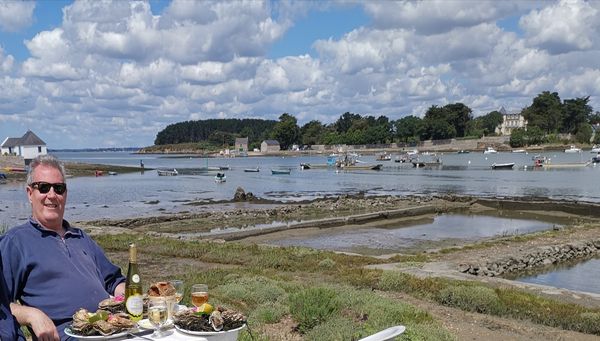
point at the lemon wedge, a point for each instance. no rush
(205, 308)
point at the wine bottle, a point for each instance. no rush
(134, 301)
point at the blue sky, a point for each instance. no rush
(115, 73)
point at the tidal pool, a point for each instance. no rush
(438, 231)
(579, 276)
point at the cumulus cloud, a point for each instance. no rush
(15, 15)
(117, 67)
(569, 25)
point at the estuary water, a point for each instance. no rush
(145, 193)
(141, 194)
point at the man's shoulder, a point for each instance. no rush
(17, 231)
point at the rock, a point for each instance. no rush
(240, 194)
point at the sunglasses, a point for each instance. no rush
(44, 187)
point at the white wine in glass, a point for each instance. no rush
(157, 315)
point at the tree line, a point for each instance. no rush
(547, 117)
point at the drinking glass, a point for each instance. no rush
(199, 294)
(157, 314)
(179, 289)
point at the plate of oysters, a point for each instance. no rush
(100, 325)
(221, 323)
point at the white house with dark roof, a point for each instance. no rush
(511, 121)
(27, 146)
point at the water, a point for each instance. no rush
(581, 276)
(394, 238)
(142, 194)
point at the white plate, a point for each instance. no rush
(145, 324)
(96, 337)
(191, 332)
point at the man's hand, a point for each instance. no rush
(120, 290)
(40, 323)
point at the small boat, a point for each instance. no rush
(519, 151)
(596, 159)
(305, 166)
(112, 173)
(384, 157)
(252, 170)
(167, 172)
(3, 178)
(362, 167)
(281, 171)
(595, 149)
(462, 151)
(490, 150)
(220, 177)
(507, 165)
(573, 149)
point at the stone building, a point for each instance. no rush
(511, 121)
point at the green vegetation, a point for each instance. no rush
(328, 295)
(546, 116)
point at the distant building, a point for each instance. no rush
(27, 146)
(269, 146)
(241, 144)
(511, 122)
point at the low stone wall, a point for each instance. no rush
(541, 257)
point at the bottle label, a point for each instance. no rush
(135, 278)
(135, 305)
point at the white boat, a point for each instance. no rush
(220, 177)
(167, 172)
(573, 149)
(595, 149)
(490, 150)
(519, 151)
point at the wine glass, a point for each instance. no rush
(157, 314)
(199, 294)
(179, 289)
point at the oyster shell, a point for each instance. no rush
(163, 289)
(216, 320)
(107, 324)
(112, 305)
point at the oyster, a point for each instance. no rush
(216, 320)
(112, 304)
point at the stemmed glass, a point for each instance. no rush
(199, 294)
(157, 315)
(179, 289)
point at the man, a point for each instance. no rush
(50, 267)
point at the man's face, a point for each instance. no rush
(47, 208)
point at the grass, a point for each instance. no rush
(333, 295)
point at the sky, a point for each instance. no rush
(101, 73)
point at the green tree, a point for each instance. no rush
(458, 115)
(345, 121)
(409, 128)
(575, 112)
(491, 121)
(535, 135)
(545, 112)
(312, 132)
(286, 131)
(584, 133)
(518, 138)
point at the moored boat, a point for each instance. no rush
(281, 171)
(167, 172)
(506, 165)
(573, 149)
(252, 170)
(490, 150)
(595, 149)
(220, 177)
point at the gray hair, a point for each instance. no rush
(46, 160)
